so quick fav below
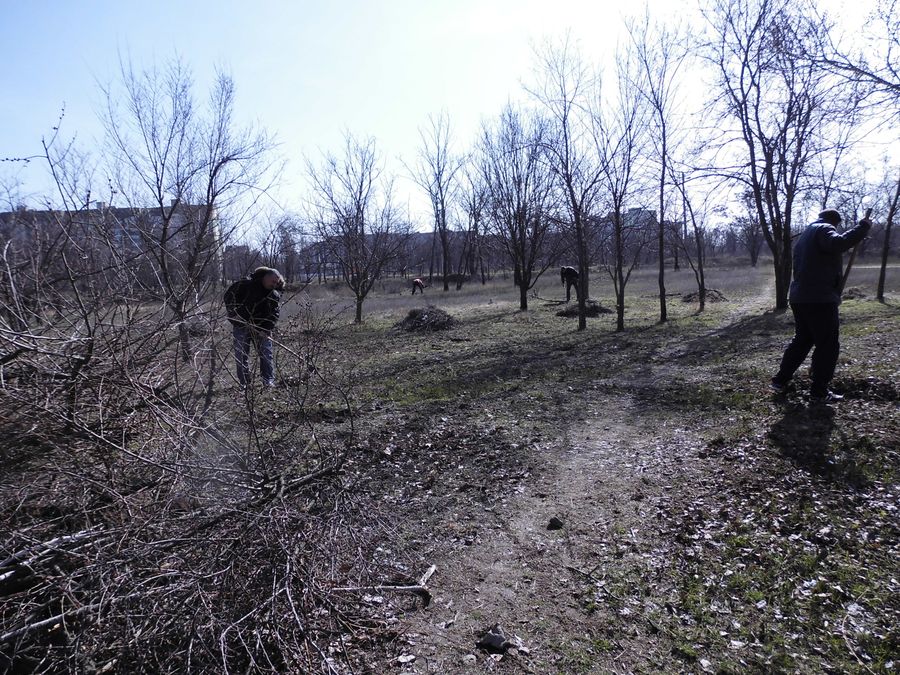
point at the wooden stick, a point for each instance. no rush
(853, 255)
(427, 575)
(53, 620)
(419, 589)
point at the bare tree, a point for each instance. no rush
(568, 91)
(352, 209)
(436, 172)
(877, 68)
(697, 205)
(747, 227)
(782, 108)
(474, 202)
(192, 173)
(622, 148)
(279, 239)
(513, 163)
(660, 53)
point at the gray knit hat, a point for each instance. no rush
(830, 216)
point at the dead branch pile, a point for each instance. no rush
(712, 295)
(591, 308)
(155, 518)
(853, 293)
(425, 320)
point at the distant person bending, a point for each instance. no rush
(569, 276)
(418, 285)
(253, 309)
(815, 294)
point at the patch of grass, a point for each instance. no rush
(685, 651)
(574, 657)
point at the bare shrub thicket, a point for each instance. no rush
(152, 527)
(155, 517)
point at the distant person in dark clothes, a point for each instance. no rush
(418, 285)
(815, 294)
(253, 308)
(569, 276)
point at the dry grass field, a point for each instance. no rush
(616, 502)
(706, 526)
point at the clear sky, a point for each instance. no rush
(304, 70)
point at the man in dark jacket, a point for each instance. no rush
(252, 307)
(815, 294)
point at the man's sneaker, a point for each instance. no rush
(777, 387)
(827, 397)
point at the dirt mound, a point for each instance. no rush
(425, 320)
(591, 307)
(854, 293)
(712, 295)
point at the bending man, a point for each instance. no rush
(252, 306)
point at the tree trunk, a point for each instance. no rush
(431, 263)
(463, 264)
(886, 245)
(701, 276)
(523, 297)
(620, 308)
(583, 272)
(782, 266)
(359, 304)
(663, 315)
(445, 258)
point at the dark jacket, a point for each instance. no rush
(248, 303)
(818, 264)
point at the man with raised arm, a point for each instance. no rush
(815, 294)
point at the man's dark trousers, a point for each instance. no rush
(816, 325)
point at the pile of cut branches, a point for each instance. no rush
(425, 320)
(712, 295)
(591, 308)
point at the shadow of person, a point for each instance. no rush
(803, 435)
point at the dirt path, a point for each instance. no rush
(554, 589)
(559, 592)
(695, 514)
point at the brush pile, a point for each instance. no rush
(591, 307)
(425, 320)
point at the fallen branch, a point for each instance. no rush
(53, 620)
(419, 589)
(425, 577)
(52, 544)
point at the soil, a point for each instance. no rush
(707, 526)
